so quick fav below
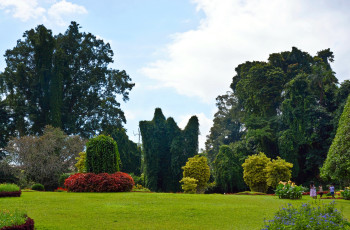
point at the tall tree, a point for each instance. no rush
(64, 81)
(166, 149)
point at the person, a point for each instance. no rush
(313, 193)
(320, 190)
(331, 190)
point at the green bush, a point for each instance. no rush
(102, 155)
(346, 193)
(38, 187)
(139, 180)
(9, 188)
(324, 216)
(81, 164)
(197, 167)
(288, 190)
(278, 170)
(8, 218)
(189, 185)
(62, 179)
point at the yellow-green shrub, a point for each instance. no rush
(197, 167)
(81, 162)
(278, 170)
(189, 184)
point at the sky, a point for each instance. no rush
(181, 54)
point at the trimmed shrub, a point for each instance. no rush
(62, 179)
(16, 220)
(38, 187)
(189, 184)
(278, 170)
(10, 194)
(102, 155)
(81, 164)
(103, 182)
(197, 167)
(9, 188)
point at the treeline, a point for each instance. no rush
(288, 106)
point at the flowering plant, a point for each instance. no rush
(288, 190)
(15, 220)
(308, 217)
(59, 189)
(346, 193)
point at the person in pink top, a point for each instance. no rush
(313, 193)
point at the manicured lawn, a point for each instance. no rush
(52, 210)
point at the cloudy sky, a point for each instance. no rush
(182, 53)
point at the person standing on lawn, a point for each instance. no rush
(331, 189)
(320, 190)
(313, 193)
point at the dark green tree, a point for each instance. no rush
(63, 80)
(102, 155)
(166, 149)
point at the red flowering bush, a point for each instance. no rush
(103, 182)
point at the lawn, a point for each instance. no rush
(54, 210)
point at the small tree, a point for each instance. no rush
(254, 174)
(197, 167)
(278, 170)
(337, 165)
(189, 185)
(81, 164)
(102, 155)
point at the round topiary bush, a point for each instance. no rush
(38, 187)
(103, 182)
(102, 155)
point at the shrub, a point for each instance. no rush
(9, 188)
(254, 174)
(13, 220)
(59, 189)
(139, 180)
(102, 155)
(62, 179)
(308, 217)
(197, 167)
(189, 184)
(288, 190)
(38, 187)
(346, 193)
(103, 182)
(278, 170)
(81, 164)
(140, 188)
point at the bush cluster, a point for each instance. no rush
(308, 217)
(38, 187)
(9, 188)
(288, 190)
(16, 220)
(346, 193)
(103, 182)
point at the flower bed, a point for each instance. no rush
(288, 190)
(103, 182)
(10, 194)
(15, 220)
(28, 225)
(9, 190)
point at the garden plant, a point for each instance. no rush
(15, 220)
(288, 190)
(9, 190)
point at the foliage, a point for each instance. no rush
(189, 185)
(102, 155)
(59, 189)
(254, 174)
(9, 188)
(81, 162)
(38, 187)
(336, 166)
(103, 182)
(140, 188)
(62, 179)
(288, 190)
(306, 216)
(166, 149)
(63, 81)
(277, 170)
(8, 173)
(346, 193)
(11, 218)
(197, 168)
(228, 170)
(139, 180)
(44, 158)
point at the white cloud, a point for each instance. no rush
(201, 62)
(58, 13)
(204, 126)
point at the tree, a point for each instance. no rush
(228, 171)
(197, 168)
(64, 81)
(253, 172)
(337, 165)
(44, 158)
(102, 155)
(166, 149)
(278, 170)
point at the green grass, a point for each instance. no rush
(9, 188)
(136, 210)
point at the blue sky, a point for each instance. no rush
(182, 53)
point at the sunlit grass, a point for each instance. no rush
(136, 210)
